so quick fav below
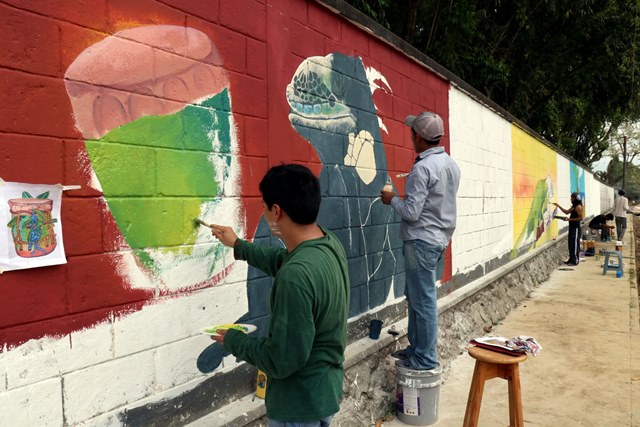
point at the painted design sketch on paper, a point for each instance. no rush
(154, 107)
(33, 233)
(31, 225)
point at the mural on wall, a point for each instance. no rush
(576, 174)
(534, 184)
(154, 107)
(331, 106)
(32, 230)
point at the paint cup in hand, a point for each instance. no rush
(374, 329)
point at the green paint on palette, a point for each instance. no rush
(156, 172)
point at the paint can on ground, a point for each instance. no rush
(619, 246)
(375, 328)
(418, 394)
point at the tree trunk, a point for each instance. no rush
(409, 33)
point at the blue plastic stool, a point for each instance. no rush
(616, 268)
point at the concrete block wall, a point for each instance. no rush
(593, 205)
(481, 145)
(164, 110)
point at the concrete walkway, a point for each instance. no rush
(588, 373)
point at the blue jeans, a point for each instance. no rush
(321, 423)
(424, 264)
(621, 226)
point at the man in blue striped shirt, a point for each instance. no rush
(428, 212)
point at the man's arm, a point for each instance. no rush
(266, 258)
(291, 332)
(626, 207)
(565, 211)
(416, 192)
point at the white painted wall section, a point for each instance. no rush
(481, 145)
(37, 404)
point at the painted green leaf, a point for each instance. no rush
(156, 172)
(26, 195)
(43, 195)
(13, 222)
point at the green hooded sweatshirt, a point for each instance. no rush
(304, 352)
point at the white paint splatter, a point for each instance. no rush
(373, 76)
(84, 165)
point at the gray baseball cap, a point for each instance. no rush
(426, 124)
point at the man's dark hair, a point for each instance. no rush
(620, 192)
(295, 189)
(608, 217)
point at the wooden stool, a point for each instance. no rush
(491, 364)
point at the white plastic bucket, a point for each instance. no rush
(418, 394)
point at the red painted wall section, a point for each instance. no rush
(260, 46)
(320, 32)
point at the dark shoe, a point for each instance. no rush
(573, 264)
(405, 363)
(408, 365)
(400, 354)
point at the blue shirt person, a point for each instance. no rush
(428, 212)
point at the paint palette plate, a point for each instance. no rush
(242, 327)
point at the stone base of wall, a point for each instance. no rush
(472, 311)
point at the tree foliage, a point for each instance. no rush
(568, 69)
(613, 176)
(620, 155)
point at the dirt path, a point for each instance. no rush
(588, 373)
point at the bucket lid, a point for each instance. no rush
(619, 242)
(418, 372)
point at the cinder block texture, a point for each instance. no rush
(35, 404)
(100, 388)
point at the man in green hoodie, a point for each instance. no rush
(304, 351)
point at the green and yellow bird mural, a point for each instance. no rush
(540, 215)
